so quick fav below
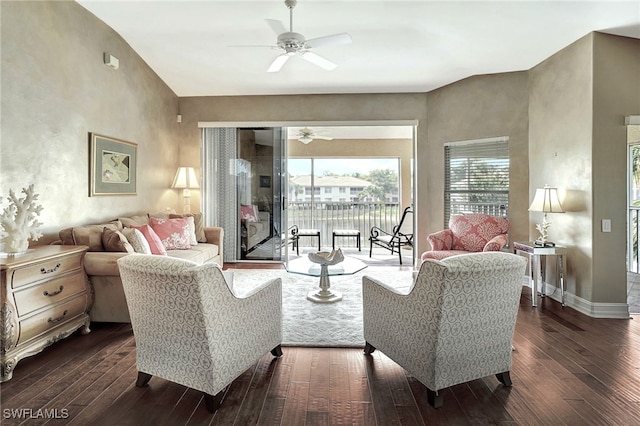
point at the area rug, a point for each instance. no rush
(306, 323)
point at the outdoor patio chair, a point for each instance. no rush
(400, 236)
(291, 237)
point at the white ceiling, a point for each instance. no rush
(398, 46)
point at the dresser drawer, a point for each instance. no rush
(46, 270)
(47, 293)
(57, 315)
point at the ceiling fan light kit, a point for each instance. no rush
(295, 44)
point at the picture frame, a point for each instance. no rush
(265, 181)
(114, 167)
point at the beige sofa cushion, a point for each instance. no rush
(105, 263)
(201, 253)
(91, 235)
(138, 220)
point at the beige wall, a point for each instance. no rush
(358, 148)
(55, 90)
(560, 131)
(476, 108)
(579, 99)
(616, 94)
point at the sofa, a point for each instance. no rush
(205, 245)
(256, 226)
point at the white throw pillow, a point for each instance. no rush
(137, 240)
(192, 231)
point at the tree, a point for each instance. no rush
(383, 182)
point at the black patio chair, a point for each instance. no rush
(291, 237)
(400, 236)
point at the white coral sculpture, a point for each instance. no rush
(18, 222)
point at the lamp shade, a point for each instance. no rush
(546, 200)
(185, 178)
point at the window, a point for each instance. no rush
(476, 177)
(343, 190)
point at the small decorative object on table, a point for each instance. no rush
(18, 222)
(324, 259)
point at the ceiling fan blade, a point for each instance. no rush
(277, 63)
(330, 40)
(326, 138)
(277, 26)
(319, 61)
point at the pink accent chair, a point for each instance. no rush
(468, 233)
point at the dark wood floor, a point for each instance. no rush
(568, 369)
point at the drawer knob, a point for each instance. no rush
(46, 292)
(60, 318)
(48, 271)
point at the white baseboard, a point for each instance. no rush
(592, 309)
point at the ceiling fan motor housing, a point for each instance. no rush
(291, 42)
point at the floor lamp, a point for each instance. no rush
(186, 180)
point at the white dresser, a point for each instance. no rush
(45, 297)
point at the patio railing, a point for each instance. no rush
(327, 216)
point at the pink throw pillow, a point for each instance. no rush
(174, 233)
(155, 244)
(249, 213)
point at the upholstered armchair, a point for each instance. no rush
(191, 328)
(468, 233)
(454, 325)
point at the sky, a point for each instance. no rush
(299, 166)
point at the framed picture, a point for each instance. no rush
(113, 166)
(265, 181)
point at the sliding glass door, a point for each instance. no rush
(244, 169)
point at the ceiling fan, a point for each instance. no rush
(294, 44)
(306, 135)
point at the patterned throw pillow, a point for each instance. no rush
(152, 238)
(196, 229)
(249, 213)
(174, 234)
(137, 240)
(116, 241)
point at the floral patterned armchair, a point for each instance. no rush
(454, 325)
(468, 233)
(192, 329)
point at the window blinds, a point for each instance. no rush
(477, 177)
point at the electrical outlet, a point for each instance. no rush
(606, 225)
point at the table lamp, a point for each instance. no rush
(546, 201)
(186, 180)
